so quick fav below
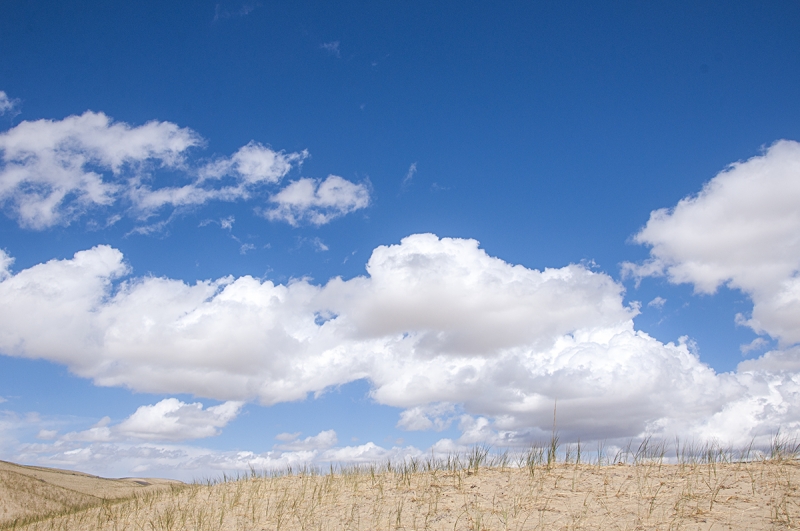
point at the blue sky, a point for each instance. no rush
(365, 230)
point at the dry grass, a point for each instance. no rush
(31, 493)
(706, 488)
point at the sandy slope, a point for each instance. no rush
(27, 491)
(756, 495)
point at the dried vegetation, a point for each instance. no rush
(549, 487)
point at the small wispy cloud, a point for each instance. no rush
(246, 247)
(222, 12)
(758, 343)
(319, 245)
(332, 48)
(7, 105)
(658, 302)
(227, 223)
(412, 170)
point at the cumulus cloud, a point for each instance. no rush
(429, 417)
(317, 202)
(253, 163)
(741, 231)
(173, 420)
(54, 171)
(50, 168)
(434, 322)
(168, 420)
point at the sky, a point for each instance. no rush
(261, 234)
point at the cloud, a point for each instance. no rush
(657, 302)
(740, 231)
(5, 265)
(429, 417)
(168, 420)
(758, 343)
(332, 48)
(52, 172)
(412, 170)
(253, 163)
(188, 463)
(323, 440)
(49, 167)
(317, 202)
(222, 12)
(7, 105)
(319, 245)
(434, 322)
(369, 453)
(287, 437)
(47, 435)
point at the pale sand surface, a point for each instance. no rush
(28, 491)
(756, 495)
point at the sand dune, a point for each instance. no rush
(34, 492)
(758, 494)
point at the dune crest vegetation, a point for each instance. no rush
(549, 487)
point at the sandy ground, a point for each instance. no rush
(760, 495)
(27, 491)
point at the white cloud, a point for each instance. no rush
(168, 420)
(758, 343)
(227, 223)
(47, 435)
(5, 265)
(332, 48)
(187, 463)
(7, 105)
(173, 420)
(317, 202)
(55, 171)
(49, 173)
(253, 163)
(742, 231)
(412, 170)
(222, 12)
(429, 417)
(369, 453)
(435, 322)
(657, 302)
(319, 245)
(322, 441)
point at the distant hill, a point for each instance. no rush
(30, 491)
